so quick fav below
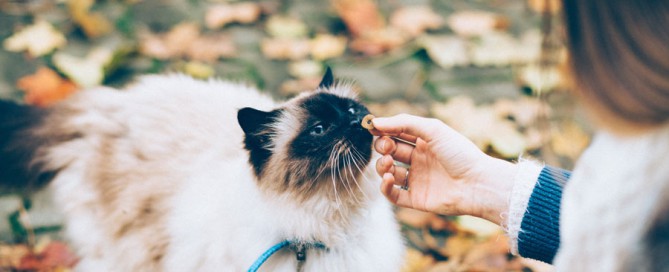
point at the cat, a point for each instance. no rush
(178, 174)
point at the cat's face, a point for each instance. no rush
(313, 146)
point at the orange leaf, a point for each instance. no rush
(45, 87)
(360, 16)
(55, 255)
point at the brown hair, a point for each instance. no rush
(619, 57)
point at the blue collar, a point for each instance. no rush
(299, 247)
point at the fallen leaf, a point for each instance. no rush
(478, 226)
(415, 20)
(377, 42)
(569, 140)
(360, 16)
(445, 51)
(494, 49)
(540, 79)
(541, 6)
(506, 140)
(326, 46)
(45, 87)
(185, 41)
(10, 255)
(397, 106)
(296, 86)
(55, 255)
(285, 48)
(38, 39)
(198, 69)
(305, 69)
(219, 15)
(415, 261)
(414, 218)
(86, 72)
(457, 246)
(476, 23)
(280, 26)
(93, 24)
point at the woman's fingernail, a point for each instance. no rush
(383, 145)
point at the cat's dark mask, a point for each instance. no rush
(328, 136)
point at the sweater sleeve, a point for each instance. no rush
(539, 235)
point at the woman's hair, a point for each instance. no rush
(619, 57)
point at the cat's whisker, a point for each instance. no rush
(332, 176)
(357, 165)
(343, 178)
(348, 157)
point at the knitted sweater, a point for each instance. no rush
(599, 218)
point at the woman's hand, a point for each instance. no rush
(448, 174)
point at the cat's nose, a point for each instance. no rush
(356, 122)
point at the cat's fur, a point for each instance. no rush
(158, 177)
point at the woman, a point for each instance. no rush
(612, 212)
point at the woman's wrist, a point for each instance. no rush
(492, 190)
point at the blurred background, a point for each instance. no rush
(489, 68)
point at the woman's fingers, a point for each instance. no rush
(385, 165)
(399, 151)
(406, 127)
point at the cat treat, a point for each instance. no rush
(367, 122)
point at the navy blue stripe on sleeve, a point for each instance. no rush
(539, 236)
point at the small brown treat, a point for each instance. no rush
(367, 121)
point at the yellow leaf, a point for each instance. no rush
(286, 27)
(38, 39)
(86, 72)
(93, 24)
(326, 46)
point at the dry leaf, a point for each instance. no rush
(10, 255)
(457, 246)
(286, 27)
(491, 255)
(86, 72)
(93, 24)
(360, 16)
(414, 218)
(198, 69)
(569, 140)
(377, 42)
(222, 14)
(540, 79)
(416, 261)
(506, 140)
(55, 255)
(494, 49)
(542, 6)
(446, 51)
(326, 46)
(185, 40)
(211, 47)
(45, 87)
(296, 86)
(476, 23)
(38, 39)
(285, 49)
(305, 69)
(478, 226)
(396, 106)
(415, 20)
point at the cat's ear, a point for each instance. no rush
(257, 130)
(253, 121)
(328, 79)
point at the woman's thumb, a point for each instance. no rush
(424, 128)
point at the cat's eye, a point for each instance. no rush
(351, 110)
(317, 130)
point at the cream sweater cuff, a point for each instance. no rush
(523, 185)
